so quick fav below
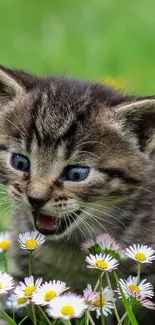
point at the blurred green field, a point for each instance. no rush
(91, 39)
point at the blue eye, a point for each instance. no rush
(76, 173)
(20, 162)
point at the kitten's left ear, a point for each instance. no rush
(9, 87)
(139, 117)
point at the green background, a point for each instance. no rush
(91, 39)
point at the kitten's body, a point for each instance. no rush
(60, 124)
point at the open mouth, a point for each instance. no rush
(48, 225)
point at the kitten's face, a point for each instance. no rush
(66, 153)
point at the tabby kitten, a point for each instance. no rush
(71, 153)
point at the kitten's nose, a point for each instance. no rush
(37, 201)
(38, 193)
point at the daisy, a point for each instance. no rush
(107, 302)
(147, 303)
(6, 282)
(137, 300)
(86, 245)
(109, 245)
(130, 286)
(48, 291)
(16, 302)
(67, 306)
(91, 246)
(5, 241)
(102, 262)
(89, 295)
(28, 287)
(31, 240)
(93, 300)
(141, 253)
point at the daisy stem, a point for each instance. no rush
(5, 262)
(97, 283)
(13, 313)
(44, 315)
(30, 263)
(91, 320)
(138, 272)
(115, 308)
(123, 318)
(87, 319)
(29, 314)
(33, 314)
(100, 286)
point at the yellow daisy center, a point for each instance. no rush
(67, 310)
(1, 285)
(31, 243)
(98, 302)
(29, 290)
(50, 295)
(5, 244)
(140, 257)
(102, 264)
(134, 287)
(21, 301)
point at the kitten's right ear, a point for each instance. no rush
(9, 87)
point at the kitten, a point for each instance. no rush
(72, 152)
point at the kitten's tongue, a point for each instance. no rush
(47, 223)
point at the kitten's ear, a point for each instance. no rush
(9, 87)
(139, 117)
(138, 108)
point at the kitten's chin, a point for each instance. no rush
(48, 225)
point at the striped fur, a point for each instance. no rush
(57, 122)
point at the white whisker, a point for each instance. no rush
(78, 143)
(20, 123)
(121, 211)
(12, 124)
(88, 227)
(109, 215)
(93, 141)
(77, 224)
(94, 217)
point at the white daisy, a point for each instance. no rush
(146, 303)
(141, 253)
(89, 295)
(101, 262)
(130, 286)
(67, 306)
(28, 287)
(31, 240)
(109, 245)
(6, 282)
(137, 300)
(5, 241)
(107, 302)
(16, 302)
(48, 291)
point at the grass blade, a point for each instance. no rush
(126, 303)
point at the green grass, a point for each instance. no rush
(91, 39)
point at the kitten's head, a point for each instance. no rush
(71, 149)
